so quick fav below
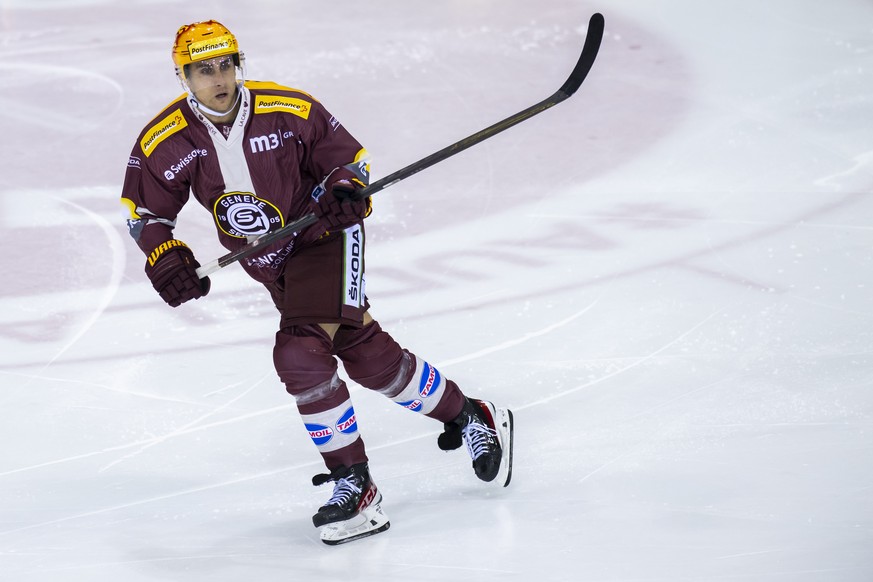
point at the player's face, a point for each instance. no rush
(213, 82)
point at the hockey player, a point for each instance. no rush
(258, 155)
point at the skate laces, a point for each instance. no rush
(479, 438)
(343, 491)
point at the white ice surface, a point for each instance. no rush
(667, 278)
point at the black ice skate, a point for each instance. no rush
(355, 508)
(488, 434)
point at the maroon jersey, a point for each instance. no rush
(256, 179)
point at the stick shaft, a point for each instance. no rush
(593, 39)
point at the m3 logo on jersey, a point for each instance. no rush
(347, 423)
(274, 103)
(161, 130)
(429, 382)
(268, 142)
(319, 433)
(242, 214)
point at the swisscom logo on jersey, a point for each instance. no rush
(176, 168)
(242, 214)
(161, 130)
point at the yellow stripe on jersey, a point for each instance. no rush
(273, 103)
(161, 130)
(131, 207)
(270, 86)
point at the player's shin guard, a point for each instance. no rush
(335, 433)
(424, 390)
(377, 362)
(304, 362)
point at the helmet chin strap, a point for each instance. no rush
(212, 112)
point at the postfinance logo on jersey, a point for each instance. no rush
(273, 103)
(161, 130)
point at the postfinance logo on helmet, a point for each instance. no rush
(209, 48)
(200, 41)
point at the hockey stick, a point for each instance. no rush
(580, 71)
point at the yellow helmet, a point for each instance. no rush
(203, 40)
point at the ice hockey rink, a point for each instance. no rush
(667, 278)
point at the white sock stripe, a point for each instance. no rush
(425, 389)
(333, 429)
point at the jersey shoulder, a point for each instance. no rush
(269, 97)
(268, 87)
(172, 119)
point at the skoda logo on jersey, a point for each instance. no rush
(319, 433)
(242, 214)
(429, 382)
(413, 405)
(347, 423)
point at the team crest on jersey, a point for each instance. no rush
(273, 103)
(161, 130)
(242, 214)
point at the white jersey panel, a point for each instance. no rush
(231, 158)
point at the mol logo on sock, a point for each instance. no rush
(413, 405)
(347, 423)
(319, 433)
(429, 382)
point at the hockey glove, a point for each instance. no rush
(338, 202)
(172, 270)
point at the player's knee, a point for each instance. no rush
(303, 360)
(374, 360)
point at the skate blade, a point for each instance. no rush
(506, 435)
(367, 523)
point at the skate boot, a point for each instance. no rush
(355, 508)
(488, 434)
